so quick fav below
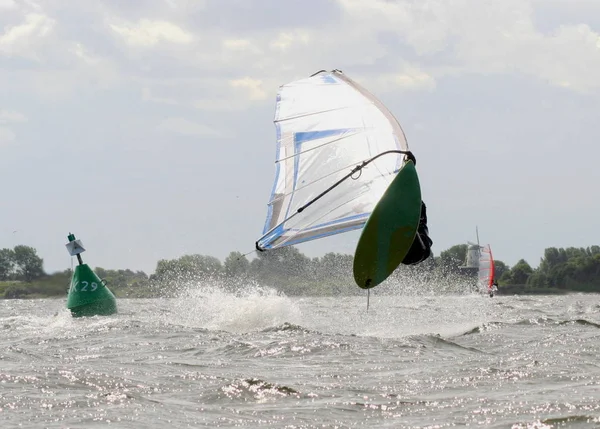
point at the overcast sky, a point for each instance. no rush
(145, 127)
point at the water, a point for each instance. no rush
(213, 359)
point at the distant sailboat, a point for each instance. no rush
(486, 271)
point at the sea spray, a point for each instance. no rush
(250, 307)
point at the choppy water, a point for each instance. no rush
(262, 360)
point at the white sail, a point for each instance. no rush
(326, 125)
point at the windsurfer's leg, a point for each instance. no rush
(415, 253)
(421, 246)
(423, 230)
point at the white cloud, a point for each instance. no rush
(188, 128)
(7, 117)
(224, 104)
(147, 95)
(11, 116)
(424, 25)
(252, 88)
(410, 78)
(210, 93)
(84, 55)
(149, 33)
(237, 44)
(470, 36)
(8, 4)
(205, 94)
(391, 45)
(284, 40)
(19, 40)
(186, 5)
(570, 58)
(7, 136)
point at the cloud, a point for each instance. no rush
(149, 33)
(38, 56)
(238, 44)
(186, 127)
(148, 96)
(11, 116)
(252, 88)
(7, 136)
(285, 40)
(232, 55)
(389, 46)
(251, 17)
(21, 39)
(209, 93)
(470, 36)
(8, 4)
(84, 55)
(408, 78)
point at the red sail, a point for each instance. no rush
(486, 268)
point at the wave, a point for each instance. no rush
(254, 389)
(535, 321)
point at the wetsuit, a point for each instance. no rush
(421, 246)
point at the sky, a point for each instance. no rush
(146, 127)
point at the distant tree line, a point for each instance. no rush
(22, 276)
(20, 263)
(575, 269)
(290, 271)
(570, 269)
(285, 269)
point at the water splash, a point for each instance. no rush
(249, 308)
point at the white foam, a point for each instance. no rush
(250, 308)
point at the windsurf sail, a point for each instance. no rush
(486, 269)
(328, 129)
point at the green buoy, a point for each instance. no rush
(88, 295)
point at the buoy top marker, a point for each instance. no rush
(75, 247)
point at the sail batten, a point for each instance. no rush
(327, 228)
(291, 118)
(326, 125)
(317, 147)
(324, 178)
